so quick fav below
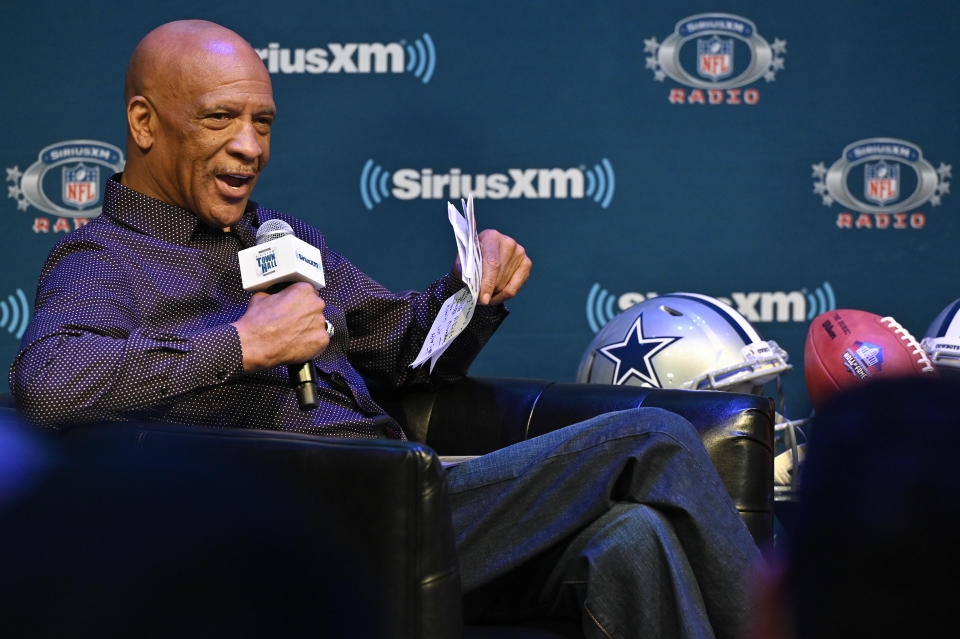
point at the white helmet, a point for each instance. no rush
(942, 339)
(682, 340)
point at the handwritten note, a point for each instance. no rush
(457, 310)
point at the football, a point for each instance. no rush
(846, 347)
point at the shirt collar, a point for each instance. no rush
(156, 218)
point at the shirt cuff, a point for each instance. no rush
(223, 355)
(485, 318)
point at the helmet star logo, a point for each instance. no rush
(633, 356)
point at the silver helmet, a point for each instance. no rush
(942, 339)
(682, 340)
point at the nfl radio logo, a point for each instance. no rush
(881, 182)
(80, 185)
(715, 57)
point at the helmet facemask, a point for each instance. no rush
(762, 363)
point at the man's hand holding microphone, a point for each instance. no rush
(287, 327)
(284, 321)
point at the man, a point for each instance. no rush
(140, 314)
(197, 141)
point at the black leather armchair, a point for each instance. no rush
(367, 523)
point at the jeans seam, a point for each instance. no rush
(592, 446)
(599, 625)
(577, 451)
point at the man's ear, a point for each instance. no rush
(142, 122)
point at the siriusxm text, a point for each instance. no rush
(92, 152)
(303, 258)
(409, 184)
(771, 306)
(346, 57)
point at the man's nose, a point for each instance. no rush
(246, 143)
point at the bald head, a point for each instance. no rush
(172, 50)
(199, 113)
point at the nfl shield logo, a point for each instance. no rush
(881, 182)
(715, 57)
(81, 185)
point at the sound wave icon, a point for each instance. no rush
(422, 58)
(821, 301)
(601, 182)
(15, 313)
(600, 307)
(373, 184)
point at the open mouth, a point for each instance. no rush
(235, 180)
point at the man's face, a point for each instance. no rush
(213, 138)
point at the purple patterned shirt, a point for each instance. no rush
(132, 321)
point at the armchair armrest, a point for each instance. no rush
(342, 536)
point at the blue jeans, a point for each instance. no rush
(621, 521)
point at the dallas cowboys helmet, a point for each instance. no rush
(682, 340)
(942, 340)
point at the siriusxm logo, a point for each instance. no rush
(15, 313)
(419, 58)
(78, 191)
(884, 181)
(304, 258)
(773, 306)
(715, 55)
(597, 183)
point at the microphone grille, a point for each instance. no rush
(272, 229)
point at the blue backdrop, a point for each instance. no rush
(790, 157)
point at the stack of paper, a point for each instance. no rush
(457, 310)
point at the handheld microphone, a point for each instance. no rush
(279, 259)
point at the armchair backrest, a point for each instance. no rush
(478, 415)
